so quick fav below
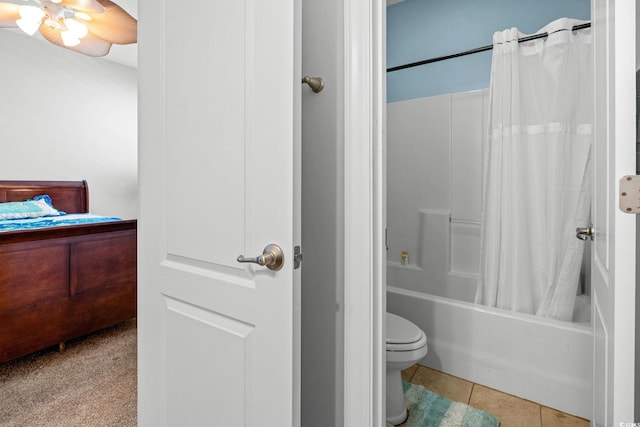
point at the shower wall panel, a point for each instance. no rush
(468, 127)
(418, 169)
(434, 191)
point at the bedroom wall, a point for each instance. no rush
(67, 116)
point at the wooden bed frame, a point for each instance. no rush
(63, 282)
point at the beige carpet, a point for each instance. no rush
(91, 383)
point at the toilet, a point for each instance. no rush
(406, 345)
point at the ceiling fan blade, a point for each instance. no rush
(8, 15)
(89, 45)
(90, 6)
(114, 25)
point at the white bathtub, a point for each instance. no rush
(546, 361)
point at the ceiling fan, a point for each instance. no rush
(86, 26)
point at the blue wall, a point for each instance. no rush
(422, 29)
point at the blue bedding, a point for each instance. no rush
(53, 221)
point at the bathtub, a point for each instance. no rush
(546, 361)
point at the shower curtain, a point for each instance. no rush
(535, 167)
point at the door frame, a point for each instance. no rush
(365, 212)
(613, 301)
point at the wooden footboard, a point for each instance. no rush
(60, 283)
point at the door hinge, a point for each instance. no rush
(297, 257)
(629, 197)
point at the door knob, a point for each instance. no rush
(585, 233)
(315, 83)
(272, 257)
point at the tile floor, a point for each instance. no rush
(510, 410)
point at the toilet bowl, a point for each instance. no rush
(406, 345)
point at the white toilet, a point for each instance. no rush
(406, 345)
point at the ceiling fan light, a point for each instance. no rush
(75, 28)
(69, 39)
(28, 26)
(31, 16)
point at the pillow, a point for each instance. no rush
(37, 207)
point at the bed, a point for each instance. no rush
(62, 282)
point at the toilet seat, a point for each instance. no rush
(403, 335)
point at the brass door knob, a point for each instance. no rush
(315, 83)
(272, 257)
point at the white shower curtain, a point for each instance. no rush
(535, 170)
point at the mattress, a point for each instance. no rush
(53, 221)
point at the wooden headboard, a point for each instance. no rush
(68, 196)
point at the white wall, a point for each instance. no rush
(67, 116)
(434, 188)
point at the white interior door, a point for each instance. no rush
(613, 249)
(219, 90)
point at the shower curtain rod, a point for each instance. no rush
(476, 50)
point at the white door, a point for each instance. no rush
(613, 248)
(219, 90)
